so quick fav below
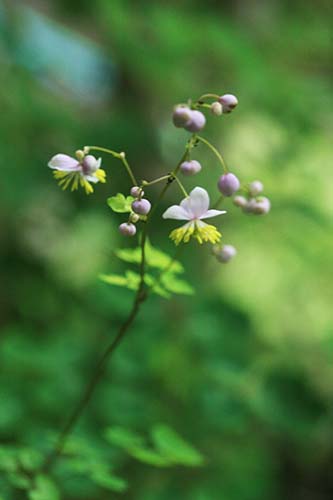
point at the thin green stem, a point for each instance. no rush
(208, 96)
(214, 150)
(121, 156)
(218, 201)
(155, 181)
(182, 188)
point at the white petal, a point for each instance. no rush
(98, 163)
(64, 162)
(198, 202)
(212, 213)
(176, 212)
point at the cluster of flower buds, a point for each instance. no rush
(140, 207)
(254, 203)
(191, 120)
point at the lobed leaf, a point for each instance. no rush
(120, 204)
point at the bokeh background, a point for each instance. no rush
(243, 369)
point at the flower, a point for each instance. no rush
(68, 170)
(194, 208)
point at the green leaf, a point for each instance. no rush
(114, 279)
(154, 258)
(120, 204)
(44, 489)
(150, 457)
(174, 448)
(175, 285)
(103, 477)
(124, 438)
(8, 461)
(19, 480)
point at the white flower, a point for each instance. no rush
(69, 170)
(194, 208)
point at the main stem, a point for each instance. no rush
(140, 297)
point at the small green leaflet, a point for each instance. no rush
(169, 448)
(120, 204)
(44, 489)
(154, 258)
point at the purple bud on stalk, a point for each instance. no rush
(197, 121)
(181, 116)
(141, 207)
(190, 167)
(225, 253)
(127, 229)
(136, 192)
(228, 184)
(240, 201)
(255, 188)
(229, 102)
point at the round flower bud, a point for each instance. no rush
(216, 108)
(181, 116)
(127, 229)
(197, 121)
(90, 164)
(190, 167)
(141, 207)
(255, 188)
(262, 206)
(136, 192)
(240, 201)
(134, 218)
(79, 154)
(228, 184)
(229, 102)
(248, 208)
(225, 253)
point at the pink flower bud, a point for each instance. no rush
(181, 116)
(224, 253)
(255, 188)
(141, 207)
(197, 121)
(127, 229)
(229, 102)
(136, 192)
(262, 206)
(228, 184)
(190, 167)
(240, 201)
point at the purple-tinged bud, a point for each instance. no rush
(141, 207)
(240, 201)
(127, 229)
(191, 167)
(262, 206)
(228, 184)
(248, 208)
(181, 116)
(197, 121)
(255, 188)
(225, 253)
(229, 102)
(216, 108)
(90, 164)
(136, 191)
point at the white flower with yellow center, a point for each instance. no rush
(69, 171)
(194, 208)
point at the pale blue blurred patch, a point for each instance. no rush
(64, 61)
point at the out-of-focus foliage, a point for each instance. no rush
(243, 369)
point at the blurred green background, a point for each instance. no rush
(242, 370)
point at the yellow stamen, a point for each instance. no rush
(101, 175)
(201, 232)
